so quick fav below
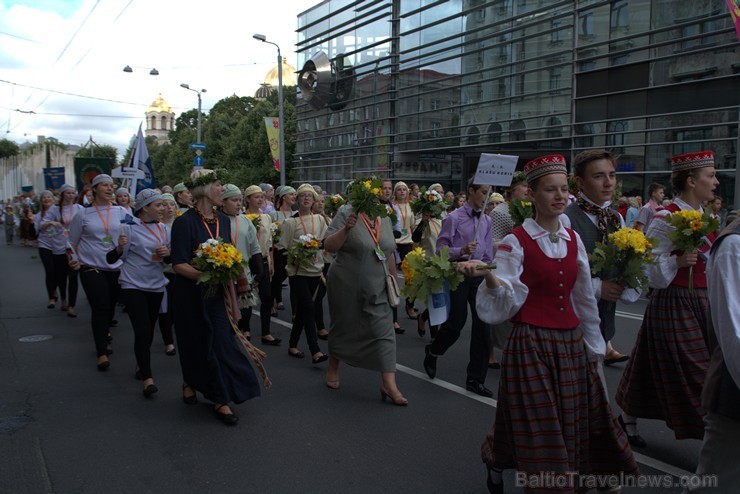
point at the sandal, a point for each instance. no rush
(298, 354)
(189, 399)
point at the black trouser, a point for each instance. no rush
(143, 308)
(403, 249)
(281, 261)
(302, 289)
(165, 318)
(449, 331)
(101, 288)
(55, 269)
(265, 290)
(318, 305)
(72, 284)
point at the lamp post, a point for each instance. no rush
(281, 135)
(186, 86)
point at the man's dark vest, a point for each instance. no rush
(721, 393)
(581, 222)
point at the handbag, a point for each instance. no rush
(391, 287)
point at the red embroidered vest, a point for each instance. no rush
(550, 282)
(700, 268)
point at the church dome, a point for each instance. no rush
(159, 105)
(263, 92)
(289, 75)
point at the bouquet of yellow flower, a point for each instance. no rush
(429, 202)
(256, 220)
(333, 203)
(391, 213)
(690, 228)
(275, 230)
(520, 210)
(424, 275)
(624, 257)
(363, 195)
(219, 262)
(303, 253)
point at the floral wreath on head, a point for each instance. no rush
(205, 179)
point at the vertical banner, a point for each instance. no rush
(141, 161)
(734, 6)
(53, 177)
(273, 138)
(87, 168)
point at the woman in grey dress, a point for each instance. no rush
(361, 332)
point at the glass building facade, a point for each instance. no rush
(437, 83)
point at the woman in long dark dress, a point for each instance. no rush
(210, 358)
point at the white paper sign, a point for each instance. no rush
(495, 169)
(130, 176)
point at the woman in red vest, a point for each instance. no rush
(553, 417)
(669, 362)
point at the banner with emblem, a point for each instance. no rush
(734, 6)
(272, 125)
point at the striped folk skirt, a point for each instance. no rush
(553, 415)
(665, 374)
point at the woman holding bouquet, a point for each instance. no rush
(404, 243)
(319, 207)
(304, 276)
(244, 238)
(665, 374)
(210, 359)
(255, 198)
(286, 200)
(553, 415)
(361, 332)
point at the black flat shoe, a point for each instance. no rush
(411, 313)
(478, 388)
(104, 365)
(494, 488)
(318, 360)
(191, 399)
(226, 418)
(399, 330)
(635, 441)
(298, 354)
(273, 342)
(171, 352)
(149, 391)
(322, 336)
(430, 363)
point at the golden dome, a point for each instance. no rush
(289, 75)
(159, 105)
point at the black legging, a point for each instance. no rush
(318, 304)
(302, 289)
(279, 277)
(101, 288)
(142, 308)
(72, 284)
(165, 318)
(55, 269)
(402, 249)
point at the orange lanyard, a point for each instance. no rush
(235, 236)
(163, 238)
(105, 222)
(434, 226)
(375, 235)
(209, 229)
(403, 216)
(64, 220)
(305, 232)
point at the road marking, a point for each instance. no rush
(640, 458)
(629, 315)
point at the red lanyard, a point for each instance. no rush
(305, 232)
(375, 235)
(106, 221)
(209, 229)
(163, 238)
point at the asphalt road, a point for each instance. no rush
(67, 428)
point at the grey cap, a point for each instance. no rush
(101, 179)
(265, 187)
(45, 192)
(179, 188)
(65, 187)
(146, 197)
(168, 197)
(287, 189)
(230, 190)
(121, 191)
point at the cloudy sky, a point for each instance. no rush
(79, 47)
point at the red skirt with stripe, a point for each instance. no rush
(553, 414)
(665, 374)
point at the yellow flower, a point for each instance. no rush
(696, 225)
(376, 191)
(367, 184)
(430, 198)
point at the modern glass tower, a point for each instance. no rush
(436, 83)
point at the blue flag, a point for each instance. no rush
(140, 159)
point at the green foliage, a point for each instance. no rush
(427, 275)
(104, 151)
(363, 195)
(8, 148)
(520, 210)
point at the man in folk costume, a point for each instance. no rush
(594, 219)
(669, 362)
(721, 394)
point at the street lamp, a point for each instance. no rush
(281, 136)
(128, 69)
(186, 86)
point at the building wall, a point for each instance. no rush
(437, 83)
(27, 168)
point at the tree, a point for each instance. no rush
(8, 148)
(104, 151)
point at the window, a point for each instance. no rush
(434, 104)
(452, 106)
(554, 128)
(615, 136)
(682, 147)
(494, 132)
(503, 88)
(473, 136)
(586, 24)
(556, 76)
(555, 36)
(620, 15)
(584, 137)
(520, 85)
(435, 129)
(518, 131)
